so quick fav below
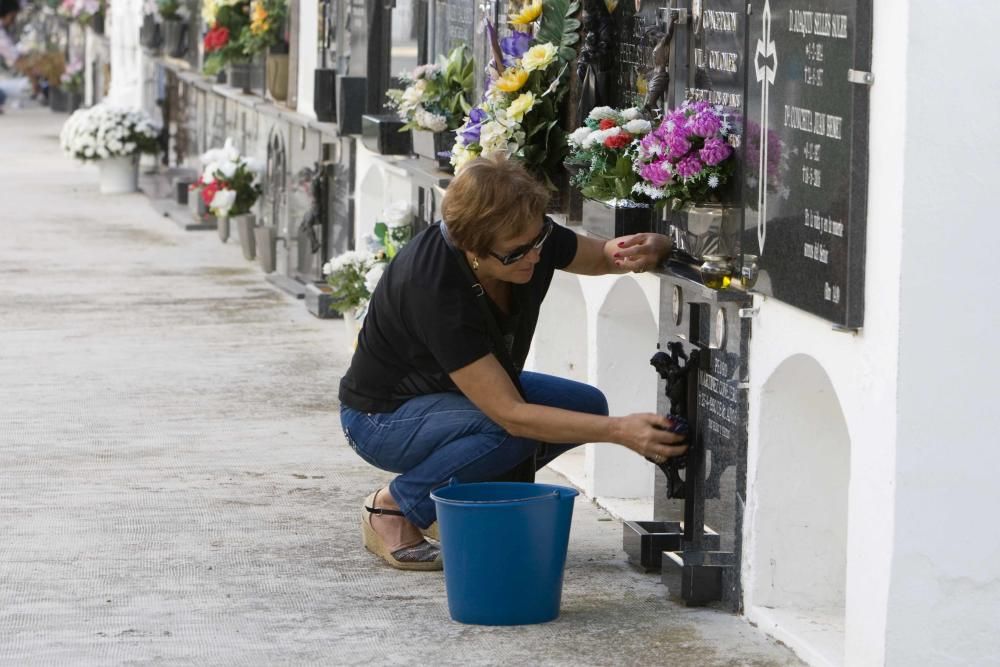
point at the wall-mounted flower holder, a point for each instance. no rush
(380, 133)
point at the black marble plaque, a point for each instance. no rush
(806, 153)
(454, 24)
(707, 324)
(638, 31)
(717, 69)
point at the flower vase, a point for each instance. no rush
(707, 230)
(430, 145)
(266, 239)
(58, 100)
(119, 175)
(246, 226)
(619, 217)
(247, 76)
(352, 326)
(149, 33)
(277, 76)
(175, 37)
(222, 227)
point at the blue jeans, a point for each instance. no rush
(431, 439)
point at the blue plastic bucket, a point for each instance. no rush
(504, 546)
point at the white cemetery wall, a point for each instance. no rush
(944, 594)
(126, 55)
(308, 50)
(868, 530)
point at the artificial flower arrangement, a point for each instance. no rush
(436, 97)
(230, 183)
(527, 79)
(72, 77)
(104, 131)
(226, 21)
(687, 158)
(266, 28)
(80, 11)
(353, 275)
(346, 274)
(602, 154)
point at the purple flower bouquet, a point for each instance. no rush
(687, 158)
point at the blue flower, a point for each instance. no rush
(514, 46)
(470, 131)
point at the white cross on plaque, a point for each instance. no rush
(765, 64)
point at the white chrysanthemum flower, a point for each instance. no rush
(398, 214)
(600, 113)
(579, 135)
(713, 181)
(632, 113)
(638, 126)
(430, 121)
(373, 275)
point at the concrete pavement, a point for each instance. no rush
(174, 485)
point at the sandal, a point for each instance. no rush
(420, 556)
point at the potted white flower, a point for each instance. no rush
(114, 137)
(347, 274)
(230, 186)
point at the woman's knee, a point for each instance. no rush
(593, 401)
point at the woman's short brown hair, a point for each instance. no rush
(490, 200)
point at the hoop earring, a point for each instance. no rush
(475, 263)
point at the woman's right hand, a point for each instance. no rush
(646, 434)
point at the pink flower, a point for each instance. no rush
(715, 151)
(657, 173)
(689, 167)
(705, 124)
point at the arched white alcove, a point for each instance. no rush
(798, 533)
(560, 343)
(369, 202)
(626, 339)
(560, 348)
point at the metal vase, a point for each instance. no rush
(431, 145)
(610, 220)
(222, 228)
(175, 37)
(267, 241)
(245, 226)
(277, 76)
(247, 76)
(707, 230)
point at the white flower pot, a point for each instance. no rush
(119, 174)
(353, 327)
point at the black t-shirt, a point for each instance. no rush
(423, 322)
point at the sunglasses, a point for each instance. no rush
(519, 253)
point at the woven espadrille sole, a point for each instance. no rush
(374, 544)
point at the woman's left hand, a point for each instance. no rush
(640, 252)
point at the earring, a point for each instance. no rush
(475, 263)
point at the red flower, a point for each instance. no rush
(607, 124)
(216, 38)
(620, 140)
(208, 192)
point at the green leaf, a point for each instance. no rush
(380, 230)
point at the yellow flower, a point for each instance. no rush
(512, 80)
(538, 57)
(527, 15)
(520, 106)
(258, 19)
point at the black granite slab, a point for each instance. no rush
(380, 133)
(807, 153)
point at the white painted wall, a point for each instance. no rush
(944, 595)
(923, 560)
(308, 52)
(126, 55)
